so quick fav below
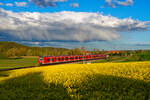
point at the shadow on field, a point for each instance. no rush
(99, 87)
(31, 87)
(4, 74)
(96, 87)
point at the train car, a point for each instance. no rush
(65, 59)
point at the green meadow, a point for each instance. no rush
(18, 62)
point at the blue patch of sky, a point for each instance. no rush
(138, 11)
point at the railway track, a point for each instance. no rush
(71, 62)
(28, 67)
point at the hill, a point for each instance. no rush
(11, 49)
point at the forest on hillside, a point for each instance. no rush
(12, 49)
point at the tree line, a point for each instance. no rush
(12, 49)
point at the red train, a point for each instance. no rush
(65, 59)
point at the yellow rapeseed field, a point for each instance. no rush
(124, 81)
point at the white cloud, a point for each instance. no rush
(108, 1)
(74, 5)
(45, 3)
(114, 3)
(125, 3)
(9, 4)
(1, 4)
(21, 4)
(65, 26)
(58, 0)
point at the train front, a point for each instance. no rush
(41, 60)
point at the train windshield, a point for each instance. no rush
(41, 59)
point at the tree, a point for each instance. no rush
(95, 51)
(11, 52)
(83, 49)
(29, 52)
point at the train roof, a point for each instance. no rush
(69, 55)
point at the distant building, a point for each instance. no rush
(115, 52)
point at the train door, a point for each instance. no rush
(76, 57)
(53, 59)
(59, 59)
(44, 60)
(62, 59)
(56, 59)
(66, 58)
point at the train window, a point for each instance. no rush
(66, 58)
(63, 58)
(53, 59)
(59, 59)
(48, 59)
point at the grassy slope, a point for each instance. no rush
(15, 63)
(115, 81)
(138, 57)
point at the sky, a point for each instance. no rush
(101, 24)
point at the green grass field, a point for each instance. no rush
(138, 57)
(103, 81)
(17, 62)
